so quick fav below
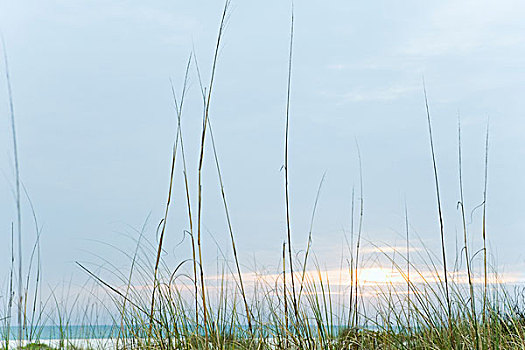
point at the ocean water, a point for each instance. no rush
(65, 332)
(86, 333)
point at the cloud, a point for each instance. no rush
(467, 26)
(381, 94)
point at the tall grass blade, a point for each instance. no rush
(17, 193)
(201, 159)
(484, 233)
(359, 231)
(286, 190)
(440, 214)
(241, 284)
(461, 204)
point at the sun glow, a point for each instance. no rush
(379, 275)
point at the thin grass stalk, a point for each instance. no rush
(17, 193)
(350, 309)
(441, 225)
(163, 229)
(340, 291)
(114, 290)
(190, 221)
(329, 308)
(201, 159)
(484, 233)
(407, 230)
(286, 190)
(204, 94)
(186, 186)
(323, 323)
(359, 231)
(309, 244)
(11, 288)
(241, 284)
(192, 236)
(35, 250)
(465, 239)
(285, 297)
(128, 286)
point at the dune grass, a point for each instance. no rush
(431, 307)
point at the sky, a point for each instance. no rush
(96, 123)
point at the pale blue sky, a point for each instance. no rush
(96, 123)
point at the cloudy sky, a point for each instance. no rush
(96, 123)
